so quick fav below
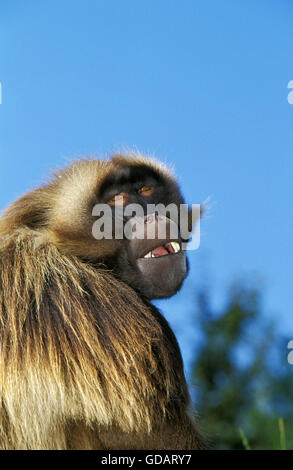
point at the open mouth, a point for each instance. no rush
(170, 248)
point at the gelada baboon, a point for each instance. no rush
(87, 362)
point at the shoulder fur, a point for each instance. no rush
(76, 343)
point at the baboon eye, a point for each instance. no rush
(146, 190)
(119, 199)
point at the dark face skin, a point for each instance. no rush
(155, 267)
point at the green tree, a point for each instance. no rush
(242, 381)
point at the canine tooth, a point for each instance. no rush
(153, 256)
(175, 246)
(148, 255)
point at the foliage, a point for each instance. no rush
(242, 380)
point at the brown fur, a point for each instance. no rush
(85, 361)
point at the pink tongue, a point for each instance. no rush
(160, 251)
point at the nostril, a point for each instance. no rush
(149, 219)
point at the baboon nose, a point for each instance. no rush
(150, 219)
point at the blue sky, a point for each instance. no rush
(202, 84)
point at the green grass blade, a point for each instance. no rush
(282, 433)
(244, 440)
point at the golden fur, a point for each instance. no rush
(85, 361)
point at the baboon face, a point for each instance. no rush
(150, 257)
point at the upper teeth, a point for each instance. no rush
(175, 246)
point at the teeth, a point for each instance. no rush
(176, 246)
